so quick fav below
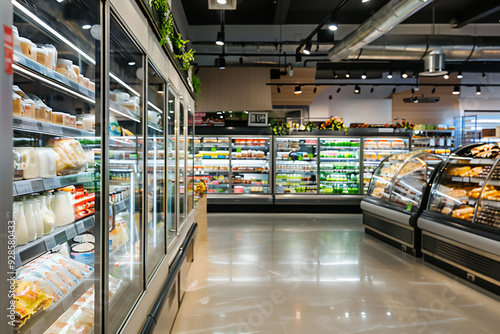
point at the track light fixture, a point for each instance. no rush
(333, 24)
(278, 89)
(478, 90)
(335, 75)
(357, 90)
(298, 90)
(298, 58)
(446, 76)
(372, 89)
(315, 90)
(412, 90)
(220, 63)
(220, 38)
(404, 75)
(394, 90)
(348, 74)
(307, 48)
(459, 75)
(338, 90)
(456, 90)
(389, 75)
(433, 90)
(363, 76)
(484, 75)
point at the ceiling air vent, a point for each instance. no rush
(222, 4)
(434, 64)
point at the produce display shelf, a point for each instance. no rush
(250, 185)
(38, 323)
(60, 235)
(26, 187)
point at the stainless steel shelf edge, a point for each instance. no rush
(397, 217)
(240, 199)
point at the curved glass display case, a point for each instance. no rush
(460, 226)
(397, 196)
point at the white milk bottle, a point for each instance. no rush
(30, 219)
(21, 227)
(48, 217)
(38, 216)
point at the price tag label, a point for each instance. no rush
(409, 206)
(82, 89)
(80, 228)
(71, 233)
(52, 183)
(24, 187)
(14, 191)
(50, 243)
(466, 179)
(238, 149)
(37, 185)
(53, 129)
(213, 149)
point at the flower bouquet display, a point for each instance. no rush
(334, 123)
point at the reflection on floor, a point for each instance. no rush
(281, 273)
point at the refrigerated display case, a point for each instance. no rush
(376, 149)
(126, 163)
(172, 147)
(155, 203)
(57, 171)
(397, 195)
(339, 165)
(461, 225)
(234, 168)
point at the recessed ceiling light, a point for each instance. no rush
(86, 26)
(363, 1)
(478, 90)
(131, 63)
(222, 2)
(446, 76)
(456, 90)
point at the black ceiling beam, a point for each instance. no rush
(411, 82)
(452, 66)
(319, 26)
(281, 11)
(476, 12)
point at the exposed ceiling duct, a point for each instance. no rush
(417, 47)
(393, 13)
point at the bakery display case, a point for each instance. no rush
(460, 224)
(339, 165)
(376, 149)
(397, 195)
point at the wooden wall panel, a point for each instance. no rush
(287, 97)
(429, 113)
(241, 88)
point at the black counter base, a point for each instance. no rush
(462, 274)
(393, 233)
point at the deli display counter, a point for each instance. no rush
(460, 227)
(397, 195)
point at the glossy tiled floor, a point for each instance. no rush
(276, 273)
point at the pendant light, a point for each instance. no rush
(333, 24)
(456, 90)
(307, 48)
(298, 90)
(478, 90)
(357, 90)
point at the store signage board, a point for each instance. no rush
(257, 119)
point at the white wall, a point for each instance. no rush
(357, 109)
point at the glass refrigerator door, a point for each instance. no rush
(182, 159)
(190, 163)
(126, 173)
(155, 223)
(339, 165)
(296, 165)
(56, 165)
(213, 160)
(250, 165)
(488, 212)
(377, 149)
(171, 168)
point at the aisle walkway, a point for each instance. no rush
(275, 273)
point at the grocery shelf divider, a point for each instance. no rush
(60, 235)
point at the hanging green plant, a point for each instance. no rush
(196, 82)
(166, 18)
